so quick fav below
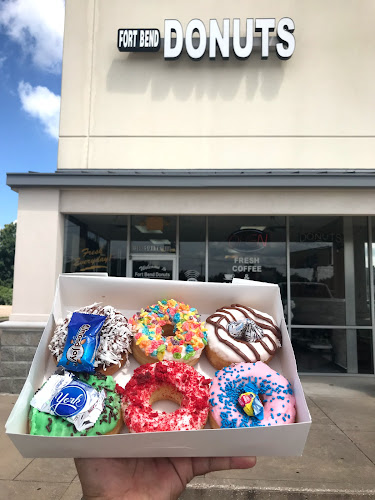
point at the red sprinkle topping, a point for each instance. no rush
(139, 415)
(119, 390)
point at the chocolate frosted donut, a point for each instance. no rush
(115, 339)
(238, 334)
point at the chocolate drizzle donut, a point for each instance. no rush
(225, 348)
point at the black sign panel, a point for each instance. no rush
(151, 270)
(138, 40)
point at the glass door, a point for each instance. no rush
(161, 267)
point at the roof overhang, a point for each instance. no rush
(197, 179)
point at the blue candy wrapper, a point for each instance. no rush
(82, 342)
(250, 401)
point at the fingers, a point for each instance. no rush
(243, 462)
(205, 465)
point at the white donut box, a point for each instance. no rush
(129, 296)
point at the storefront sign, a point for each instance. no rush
(248, 240)
(138, 40)
(145, 247)
(217, 41)
(151, 271)
(321, 237)
(247, 265)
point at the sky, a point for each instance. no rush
(31, 41)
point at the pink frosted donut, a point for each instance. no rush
(275, 392)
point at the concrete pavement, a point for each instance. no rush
(338, 461)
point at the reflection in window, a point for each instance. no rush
(247, 247)
(95, 243)
(320, 350)
(365, 351)
(192, 248)
(317, 278)
(153, 234)
(324, 350)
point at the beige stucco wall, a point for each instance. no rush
(219, 201)
(139, 111)
(38, 260)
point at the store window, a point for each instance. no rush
(320, 350)
(365, 351)
(153, 234)
(192, 254)
(317, 273)
(95, 243)
(329, 274)
(247, 247)
(324, 350)
(330, 269)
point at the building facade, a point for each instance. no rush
(210, 166)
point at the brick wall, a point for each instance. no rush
(17, 349)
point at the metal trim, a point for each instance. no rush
(350, 306)
(206, 256)
(177, 270)
(333, 327)
(288, 289)
(199, 179)
(128, 236)
(372, 291)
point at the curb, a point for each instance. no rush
(235, 492)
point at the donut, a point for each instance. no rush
(115, 339)
(109, 422)
(238, 333)
(168, 380)
(275, 393)
(168, 330)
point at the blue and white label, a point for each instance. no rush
(69, 401)
(82, 342)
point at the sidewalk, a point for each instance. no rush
(338, 462)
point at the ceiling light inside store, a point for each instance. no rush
(259, 228)
(143, 229)
(160, 242)
(153, 223)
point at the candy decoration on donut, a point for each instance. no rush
(168, 330)
(272, 389)
(239, 333)
(109, 422)
(114, 342)
(166, 380)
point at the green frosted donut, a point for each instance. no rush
(44, 424)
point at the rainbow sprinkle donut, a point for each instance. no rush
(168, 330)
